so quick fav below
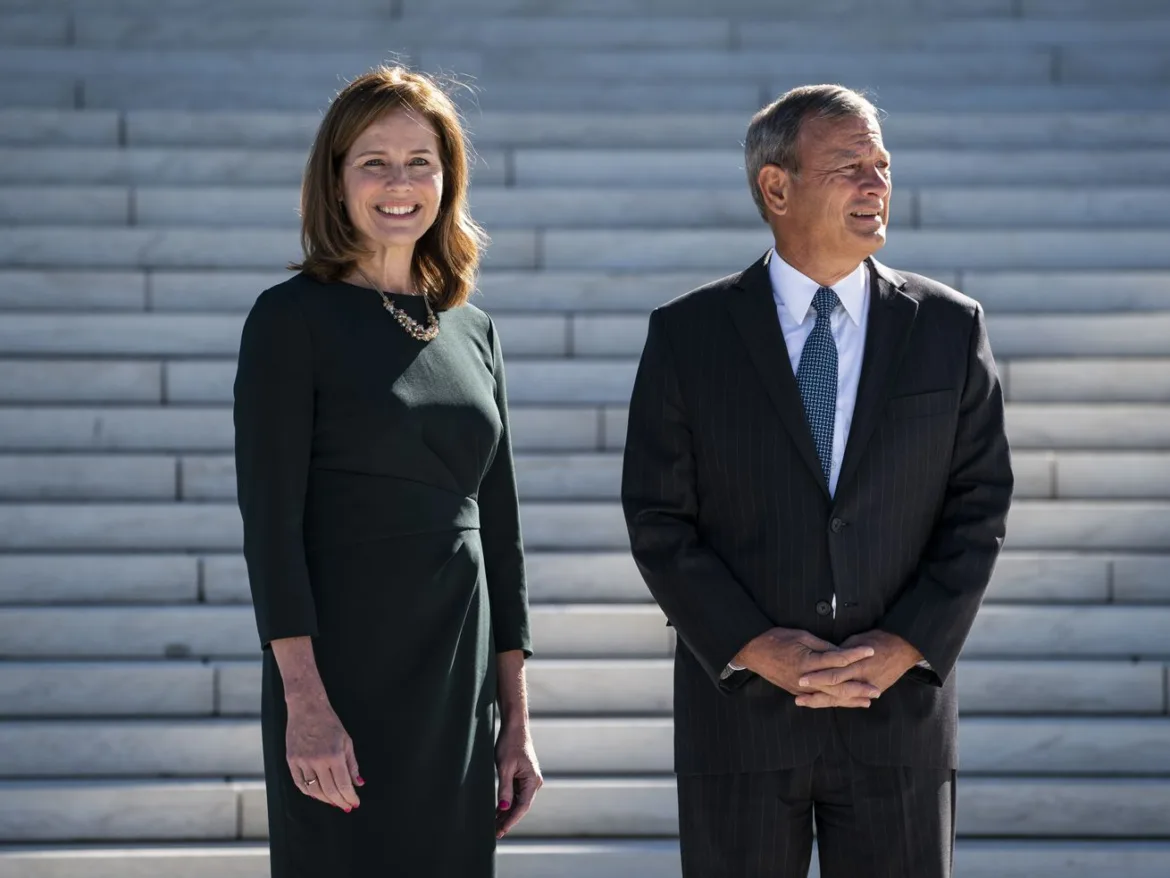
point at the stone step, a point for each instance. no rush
(647, 128)
(547, 476)
(81, 247)
(535, 381)
(178, 166)
(929, 250)
(582, 336)
(312, 92)
(583, 428)
(584, 168)
(566, 806)
(160, 526)
(1020, 292)
(575, 858)
(311, 32)
(557, 687)
(499, 207)
(556, 577)
(645, 168)
(563, 65)
(559, 631)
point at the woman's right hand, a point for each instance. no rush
(320, 754)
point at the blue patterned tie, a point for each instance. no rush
(817, 378)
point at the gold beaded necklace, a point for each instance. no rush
(413, 328)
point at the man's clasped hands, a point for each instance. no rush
(820, 674)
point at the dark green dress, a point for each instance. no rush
(378, 495)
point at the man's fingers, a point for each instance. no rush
(841, 682)
(814, 643)
(821, 699)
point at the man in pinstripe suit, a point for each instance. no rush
(816, 485)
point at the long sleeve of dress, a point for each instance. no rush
(500, 528)
(274, 429)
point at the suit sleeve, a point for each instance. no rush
(500, 528)
(273, 416)
(710, 610)
(936, 611)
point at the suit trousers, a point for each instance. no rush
(872, 821)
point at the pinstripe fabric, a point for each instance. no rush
(733, 529)
(871, 821)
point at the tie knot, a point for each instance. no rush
(825, 301)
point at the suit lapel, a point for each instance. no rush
(753, 311)
(891, 317)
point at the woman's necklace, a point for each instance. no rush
(413, 328)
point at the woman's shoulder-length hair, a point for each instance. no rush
(446, 257)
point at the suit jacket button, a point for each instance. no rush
(836, 525)
(824, 608)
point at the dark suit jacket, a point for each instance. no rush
(734, 531)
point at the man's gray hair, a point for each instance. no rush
(773, 132)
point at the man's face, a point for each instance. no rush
(839, 202)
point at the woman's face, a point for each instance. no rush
(392, 181)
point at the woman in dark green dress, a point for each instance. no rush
(381, 527)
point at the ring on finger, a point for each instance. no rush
(309, 783)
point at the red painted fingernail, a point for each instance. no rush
(360, 782)
(505, 804)
(347, 810)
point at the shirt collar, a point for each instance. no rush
(795, 291)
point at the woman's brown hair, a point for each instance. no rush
(447, 256)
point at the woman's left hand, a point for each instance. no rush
(520, 776)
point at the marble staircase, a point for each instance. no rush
(150, 154)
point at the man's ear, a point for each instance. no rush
(774, 182)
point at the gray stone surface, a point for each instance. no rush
(1023, 66)
(75, 205)
(313, 90)
(296, 30)
(597, 630)
(580, 858)
(1050, 577)
(1123, 525)
(43, 127)
(724, 252)
(1031, 686)
(106, 579)
(37, 94)
(783, 10)
(1034, 474)
(576, 525)
(1081, 292)
(934, 34)
(1060, 9)
(58, 477)
(126, 526)
(1090, 380)
(647, 168)
(129, 632)
(1068, 631)
(52, 289)
(1095, 747)
(1088, 426)
(249, 248)
(36, 689)
(33, 29)
(1064, 807)
(123, 428)
(49, 381)
(113, 748)
(114, 810)
(1028, 207)
(675, 130)
(1142, 579)
(566, 428)
(1113, 476)
(137, 335)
